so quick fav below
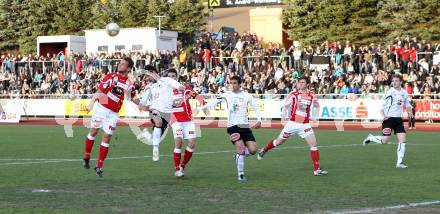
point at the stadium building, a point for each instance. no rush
(98, 41)
(262, 17)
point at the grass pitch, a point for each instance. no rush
(41, 172)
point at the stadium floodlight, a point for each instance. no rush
(159, 19)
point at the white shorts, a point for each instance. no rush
(104, 118)
(184, 130)
(291, 128)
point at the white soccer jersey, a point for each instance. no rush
(394, 101)
(160, 94)
(237, 107)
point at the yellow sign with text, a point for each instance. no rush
(79, 108)
(220, 110)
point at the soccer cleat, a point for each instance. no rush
(320, 172)
(401, 166)
(242, 178)
(86, 164)
(261, 154)
(179, 173)
(145, 137)
(98, 172)
(155, 153)
(367, 140)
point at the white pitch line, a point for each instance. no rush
(32, 159)
(401, 206)
(141, 157)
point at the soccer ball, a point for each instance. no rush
(112, 29)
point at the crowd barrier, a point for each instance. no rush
(270, 107)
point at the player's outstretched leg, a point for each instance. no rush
(88, 146)
(371, 138)
(157, 133)
(270, 145)
(145, 137)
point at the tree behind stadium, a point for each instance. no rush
(23, 21)
(361, 21)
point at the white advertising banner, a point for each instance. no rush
(330, 109)
(10, 111)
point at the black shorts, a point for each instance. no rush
(392, 123)
(165, 118)
(236, 133)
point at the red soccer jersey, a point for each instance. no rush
(114, 86)
(300, 104)
(181, 107)
(413, 55)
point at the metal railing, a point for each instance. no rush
(249, 61)
(285, 60)
(213, 96)
(33, 66)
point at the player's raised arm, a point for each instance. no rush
(198, 97)
(173, 83)
(130, 95)
(287, 104)
(213, 103)
(146, 96)
(256, 108)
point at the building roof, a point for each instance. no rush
(61, 38)
(132, 28)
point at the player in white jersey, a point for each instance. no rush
(158, 99)
(238, 123)
(392, 108)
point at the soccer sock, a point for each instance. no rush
(314, 153)
(401, 152)
(157, 132)
(187, 156)
(239, 160)
(103, 151)
(377, 139)
(177, 155)
(270, 145)
(88, 146)
(246, 152)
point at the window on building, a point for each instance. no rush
(136, 48)
(102, 48)
(119, 47)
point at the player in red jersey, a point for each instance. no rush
(300, 103)
(113, 89)
(183, 125)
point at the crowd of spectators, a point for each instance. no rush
(265, 67)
